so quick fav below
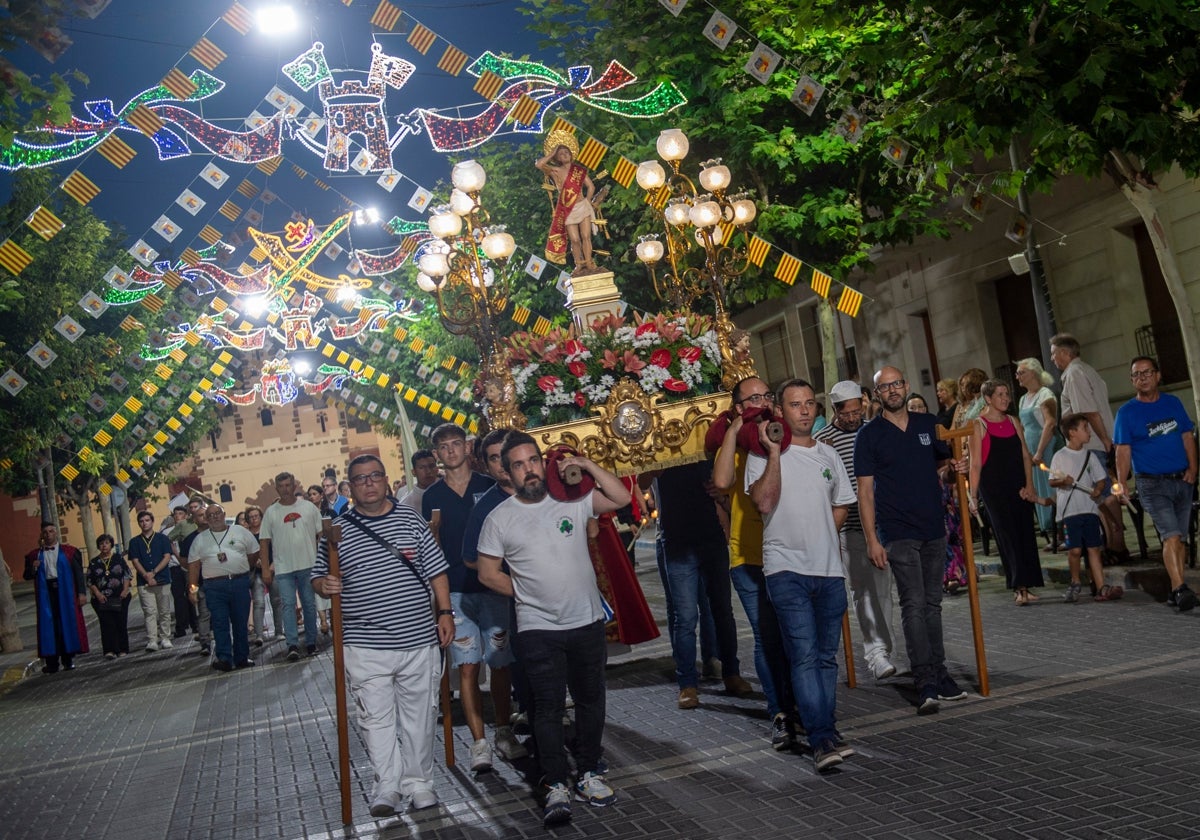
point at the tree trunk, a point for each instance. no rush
(46, 498)
(1144, 199)
(106, 519)
(10, 632)
(829, 345)
(82, 501)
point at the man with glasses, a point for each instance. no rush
(897, 458)
(1155, 434)
(334, 500)
(224, 555)
(389, 566)
(1084, 392)
(289, 533)
(870, 586)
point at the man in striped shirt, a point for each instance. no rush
(389, 566)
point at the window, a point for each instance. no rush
(226, 492)
(267, 418)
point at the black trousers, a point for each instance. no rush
(114, 632)
(185, 612)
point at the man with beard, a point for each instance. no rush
(897, 458)
(870, 586)
(560, 618)
(289, 534)
(224, 555)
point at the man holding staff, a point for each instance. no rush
(390, 568)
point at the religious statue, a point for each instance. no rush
(573, 212)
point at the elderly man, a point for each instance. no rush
(224, 555)
(560, 617)
(1155, 434)
(289, 534)
(897, 458)
(56, 570)
(390, 567)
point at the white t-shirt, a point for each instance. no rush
(799, 535)
(292, 530)
(235, 542)
(1076, 501)
(413, 498)
(1084, 391)
(545, 546)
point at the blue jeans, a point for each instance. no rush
(289, 584)
(917, 567)
(229, 606)
(681, 570)
(810, 611)
(770, 659)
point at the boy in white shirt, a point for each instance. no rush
(1079, 477)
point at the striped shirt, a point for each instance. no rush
(843, 442)
(384, 605)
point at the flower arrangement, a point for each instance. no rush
(561, 375)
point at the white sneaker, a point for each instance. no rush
(151, 647)
(481, 756)
(164, 644)
(507, 745)
(592, 789)
(423, 798)
(558, 806)
(882, 668)
(384, 807)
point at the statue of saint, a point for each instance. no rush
(573, 212)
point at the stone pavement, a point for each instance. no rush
(1090, 731)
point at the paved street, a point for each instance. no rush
(1090, 731)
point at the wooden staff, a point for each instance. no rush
(435, 525)
(851, 680)
(333, 535)
(954, 436)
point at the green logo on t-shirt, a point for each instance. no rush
(566, 527)
(827, 474)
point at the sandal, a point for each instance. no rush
(1021, 599)
(1031, 598)
(1109, 593)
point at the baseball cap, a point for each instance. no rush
(845, 390)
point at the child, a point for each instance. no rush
(1079, 479)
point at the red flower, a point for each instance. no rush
(648, 327)
(580, 399)
(577, 369)
(574, 347)
(661, 357)
(689, 354)
(632, 363)
(676, 385)
(548, 383)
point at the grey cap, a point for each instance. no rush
(845, 390)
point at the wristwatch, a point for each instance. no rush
(441, 613)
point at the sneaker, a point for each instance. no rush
(882, 668)
(826, 757)
(164, 644)
(151, 647)
(481, 756)
(110, 656)
(592, 789)
(423, 798)
(948, 689)
(507, 745)
(245, 663)
(738, 687)
(689, 698)
(222, 665)
(929, 701)
(843, 747)
(1185, 598)
(383, 807)
(258, 642)
(293, 654)
(1072, 593)
(205, 650)
(558, 806)
(312, 650)
(783, 738)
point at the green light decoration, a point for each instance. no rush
(402, 227)
(126, 297)
(156, 354)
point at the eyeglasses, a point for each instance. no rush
(373, 477)
(898, 385)
(1142, 374)
(850, 415)
(757, 399)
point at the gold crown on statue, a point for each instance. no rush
(561, 137)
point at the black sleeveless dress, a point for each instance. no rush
(1000, 483)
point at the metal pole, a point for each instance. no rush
(1043, 311)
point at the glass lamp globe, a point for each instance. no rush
(498, 245)
(434, 264)
(444, 225)
(676, 214)
(461, 203)
(744, 211)
(715, 178)
(705, 213)
(426, 283)
(649, 251)
(650, 175)
(672, 145)
(468, 176)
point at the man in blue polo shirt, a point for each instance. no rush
(1154, 432)
(897, 459)
(150, 552)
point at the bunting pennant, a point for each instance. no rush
(80, 187)
(821, 283)
(248, 188)
(102, 437)
(787, 269)
(624, 172)
(173, 279)
(210, 235)
(849, 301)
(116, 151)
(453, 60)
(207, 53)
(230, 211)
(757, 250)
(239, 18)
(179, 85)
(524, 111)
(44, 223)
(153, 302)
(269, 166)
(130, 324)
(489, 85)
(69, 472)
(658, 199)
(386, 16)
(592, 153)
(14, 257)
(190, 256)
(144, 120)
(422, 38)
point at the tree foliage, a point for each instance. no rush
(27, 101)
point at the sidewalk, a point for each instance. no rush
(1087, 733)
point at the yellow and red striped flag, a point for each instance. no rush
(144, 120)
(524, 111)
(210, 235)
(230, 211)
(69, 472)
(172, 278)
(488, 85)
(178, 355)
(269, 166)
(173, 424)
(787, 269)
(850, 301)
(422, 38)
(130, 323)
(133, 404)
(14, 257)
(162, 371)
(190, 256)
(153, 302)
(592, 153)
(207, 53)
(239, 18)
(116, 151)
(520, 314)
(821, 282)
(541, 326)
(757, 250)
(453, 60)
(102, 437)
(118, 421)
(248, 188)
(44, 223)
(624, 172)
(386, 16)
(149, 388)
(178, 84)
(658, 199)
(80, 187)
(258, 254)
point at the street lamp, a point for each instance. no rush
(462, 267)
(708, 219)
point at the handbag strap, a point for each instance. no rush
(353, 519)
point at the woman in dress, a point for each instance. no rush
(947, 397)
(109, 579)
(1002, 475)
(965, 393)
(1038, 411)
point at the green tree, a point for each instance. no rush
(27, 101)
